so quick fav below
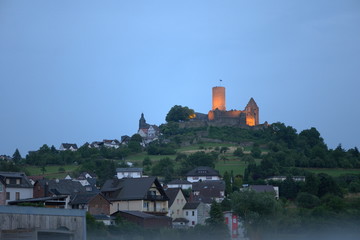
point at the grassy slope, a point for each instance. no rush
(232, 164)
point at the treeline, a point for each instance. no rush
(287, 148)
(51, 156)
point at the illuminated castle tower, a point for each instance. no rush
(218, 98)
(252, 113)
(248, 117)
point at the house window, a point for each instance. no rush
(178, 212)
(18, 181)
(195, 178)
(1, 187)
(7, 196)
(177, 201)
(7, 181)
(208, 177)
(146, 205)
(187, 213)
(17, 195)
(193, 213)
(193, 223)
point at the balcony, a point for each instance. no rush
(152, 197)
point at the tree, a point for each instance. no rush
(256, 210)
(16, 156)
(179, 113)
(288, 188)
(216, 215)
(228, 185)
(165, 167)
(307, 200)
(256, 152)
(238, 152)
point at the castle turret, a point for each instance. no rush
(252, 113)
(218, 98)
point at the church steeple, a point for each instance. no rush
(142, 122)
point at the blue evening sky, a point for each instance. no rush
(79, 71)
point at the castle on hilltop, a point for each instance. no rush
(219, 116)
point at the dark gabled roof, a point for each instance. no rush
(208, 191)
(191, 205)
(129, 170)
(131, 188)
(203, 171)
(172, 193)
(84, 198)
(262, 188)
(251, 103)
(37, 200)
(178, 181)
(24, 183)
(69, 145)
(216, 185)
(62, 186)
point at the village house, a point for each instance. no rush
(129, 173)
(68, 147)
(16, 186)
(282, 178)
(202, 174)
(177, 183)
(208, 191)
(111, 143)
(262, 189)
(93, 203)
(177, 202)
(196, 213)
(136, 194)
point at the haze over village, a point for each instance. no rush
(179, 120)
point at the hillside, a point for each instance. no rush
(251, 154)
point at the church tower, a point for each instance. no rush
(142, 122)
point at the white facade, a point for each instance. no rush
(202, 178)
(129, 174)
(14, 194)
(183, 186)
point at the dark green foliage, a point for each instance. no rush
(165, 167)
(104, 169)
(155, 148)
(256, 152)
(197, 159)
(179, 113)
(16, 156)
(257, 210)
(9, 167)
(238, 152)
(228, 185)
(307, 200)
(327, 185)
(288, 188)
